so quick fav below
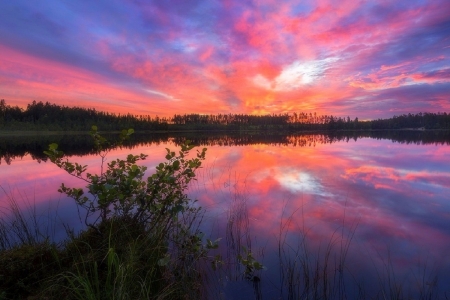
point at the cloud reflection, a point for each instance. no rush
(395, 194)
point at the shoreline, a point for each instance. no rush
(6, 133)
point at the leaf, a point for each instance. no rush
(122, 189)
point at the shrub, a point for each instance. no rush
(122, 191)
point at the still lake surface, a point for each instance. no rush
(378, 204)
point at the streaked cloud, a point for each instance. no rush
(161, 94)
(340, 58)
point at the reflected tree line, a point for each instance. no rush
(47, 116)
(16, 147)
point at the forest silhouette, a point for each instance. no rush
(53, 117)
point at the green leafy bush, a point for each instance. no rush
(142, 242)
(143, 230)
(122, 191)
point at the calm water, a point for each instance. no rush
(383, 203)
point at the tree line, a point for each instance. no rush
(48, 116)
(39, 115)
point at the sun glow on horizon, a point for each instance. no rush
(239, 57)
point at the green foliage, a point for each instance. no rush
(143, 243)
(122, 191)
(119, 261)
(158, 204)
(250, 263)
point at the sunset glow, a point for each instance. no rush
(365, 59)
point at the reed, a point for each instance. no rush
(125, 260)
(148, 244)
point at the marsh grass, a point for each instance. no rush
(313, 272)
(121, 259)
(308, 269)
(23, 225)
(125, 260)
(26, 250)
(237, 234)
(324, 271)
(420, 282)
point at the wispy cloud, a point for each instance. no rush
(161, 94)
(220, 56)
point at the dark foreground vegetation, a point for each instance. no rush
(142, 240)
(47, 116)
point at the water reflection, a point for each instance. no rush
(391, 199)
(16, 147)
(385, 204)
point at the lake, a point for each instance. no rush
(366, 213)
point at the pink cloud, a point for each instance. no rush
(169, 60)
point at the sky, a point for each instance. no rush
(365, 59)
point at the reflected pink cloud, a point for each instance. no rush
(355, 208)
(384, 199)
